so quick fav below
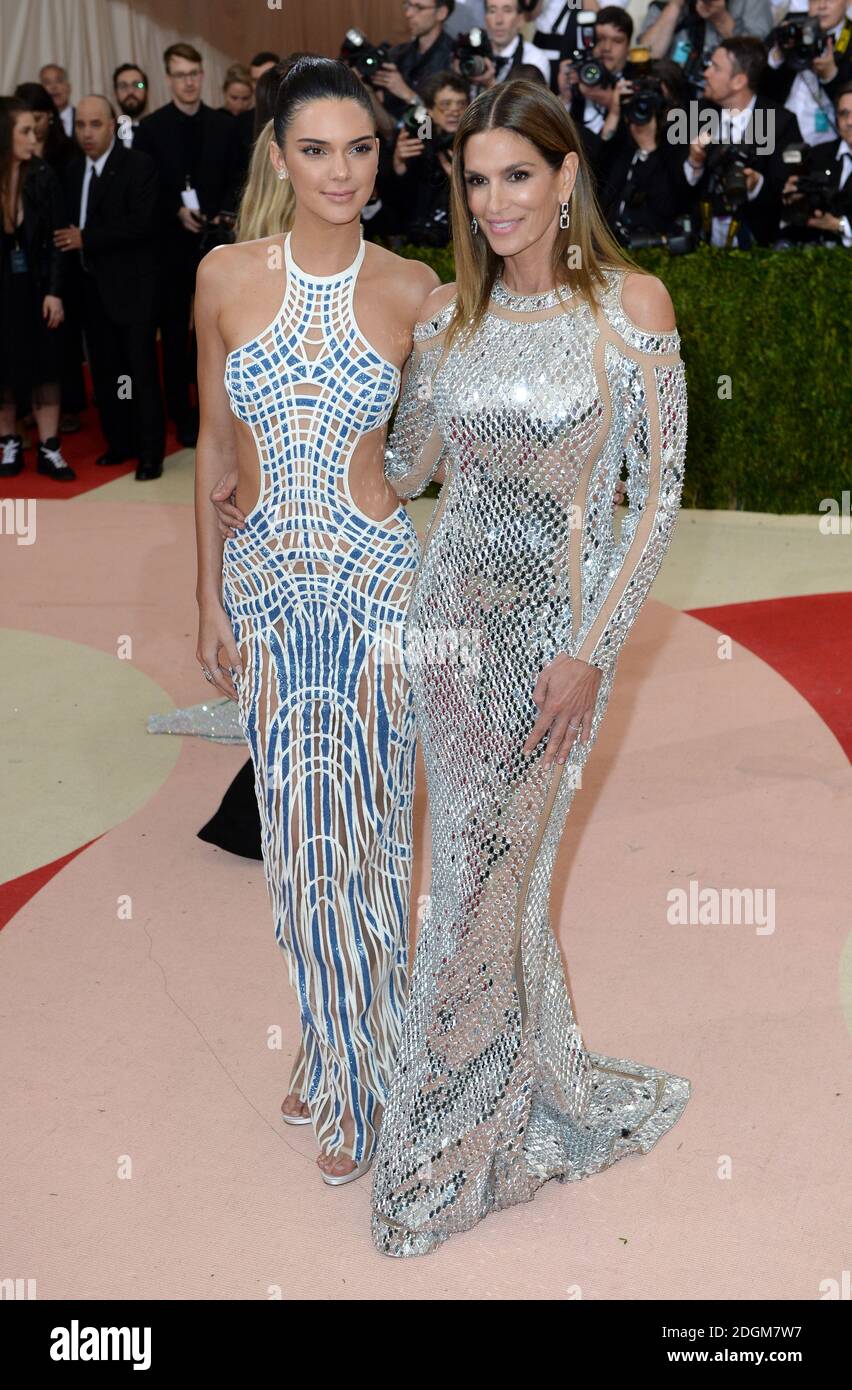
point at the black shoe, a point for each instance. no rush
(148, 468)
(51, 462)
(110, 460)
(11, 455)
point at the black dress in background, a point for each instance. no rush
(236, 825)
(31, 354)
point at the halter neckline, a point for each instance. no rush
(292, 264)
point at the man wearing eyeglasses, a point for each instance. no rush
(197, 154)
(429, 50)
(130, 86)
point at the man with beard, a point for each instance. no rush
(131, 96)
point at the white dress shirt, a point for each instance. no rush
(98, 165)
(844, 153)
(806, 99)
(529, 54)
(66, 116)
(733, 126)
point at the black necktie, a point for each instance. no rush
(92, 181)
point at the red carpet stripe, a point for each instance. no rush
(806, 640)
(17, 891)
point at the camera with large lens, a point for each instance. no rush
(647, 98)
(814, 188)
(679, 241)
(413, 121)
(358, 53)
(727, 176)
(581, 56)
(799, 40)
(592, 73)
(471, 49)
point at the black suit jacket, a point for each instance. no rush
(216, 179)
(44, 212)
(760, 214)
(118, 238)
(824, 159)
(654, 189)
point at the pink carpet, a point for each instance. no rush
(140, 986)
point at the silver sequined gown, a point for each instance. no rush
(493, 1091)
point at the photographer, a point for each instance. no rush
(429, 50)
(809, 61)
(738, 177)
(418, 189)
(818, 200)
(505, 49)
(689, 30)
(590, 102)
(556, 32)
(641, 189)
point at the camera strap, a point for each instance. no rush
(821, 100)
(554, 40)
(559, 18)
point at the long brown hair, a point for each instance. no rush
(533, 111)
(10, 109)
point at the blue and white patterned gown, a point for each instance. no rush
(316, 592)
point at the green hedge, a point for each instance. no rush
(778, 324)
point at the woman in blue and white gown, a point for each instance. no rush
(298, 375)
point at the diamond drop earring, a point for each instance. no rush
(282, 173)
(474, 225)
(564, 215)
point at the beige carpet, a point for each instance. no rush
(142, 1151)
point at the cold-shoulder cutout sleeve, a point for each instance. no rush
(647, 382)
(415, 446)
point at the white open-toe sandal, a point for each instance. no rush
(295, 1119)
(357, 1172)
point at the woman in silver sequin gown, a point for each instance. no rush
(523, 599)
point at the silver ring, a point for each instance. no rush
(207, 675)
(575, 726)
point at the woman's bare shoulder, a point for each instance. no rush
(230, 265)
(409, 281)
(647, 303)
(437, 299)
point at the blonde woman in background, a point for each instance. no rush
(238, 90)
(267, 203)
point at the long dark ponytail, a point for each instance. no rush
(317, 79)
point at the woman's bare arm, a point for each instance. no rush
(216, 450)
